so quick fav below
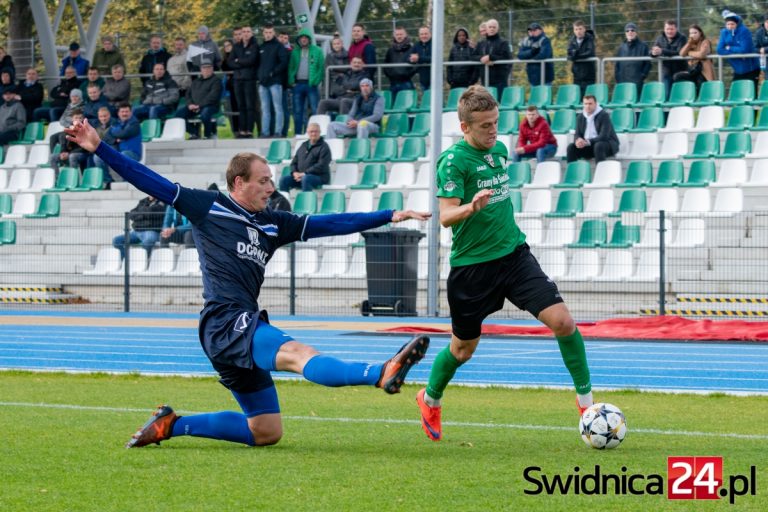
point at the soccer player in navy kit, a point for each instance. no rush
(235, 236)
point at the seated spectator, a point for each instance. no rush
(203, 99)
(176, 229)
(94, 78)
(310, 167)
(156, 54)
(125, 135)
(536, 46)
(95, 101)
(30, 93)
(700, 68)
(350, 86)
(117, 88)
(735, 39)
(462, 51)
(203, 50)
(535, 139)
(59, 97)
(6, 62)
(75, 60)
(177, 65)
(107, 57)
(103, 123)
(159, 95)
(6, 81)
(75, 103)
(595, 136)
(364, 116)
(278, 201)
(71, 154)
(146, 223)
(12, 118)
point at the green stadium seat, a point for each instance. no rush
(67, 180)
(737, 144)
(623, 236)
(742, 92)
(706, 145)
(452, 103)
(563, 121)
(49, 206)
(653, 95)
(624, 95)
(762, 120)
(700, 174)
(93, 179)
(540, 96)
(740, 118)
(6, 204)
(569, 203)
(493, 91)
(358, 150)
(670, 174)
(33, 132)
(509, 122)
(405, 101)
(385, 150)
(413, 148)
(593, 233)
(651, 119)
(2, 154)
(373, 176)
(512, 98)
(519, 174)
(397, 125)
(681, 95)
(305, 203)
(421, 125)
(762, 97)
(576, 175)
(639, 174)
(710, 93)
(426, 99)
(623, 119)
(568, 96)
(391, 200)
(150, 129)
(517, 200)
(279, 150)
(631, 201)
(599, 91)
(387, 95)
(285, 171)
(7, 232)
(341, 118)
(334, 202)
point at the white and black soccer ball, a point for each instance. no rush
(603, 426)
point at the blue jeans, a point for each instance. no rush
(541, 154)
(146, 237)
(272, 95)
(206, 117)
(143, 112)
(308, 182)
(301, 93)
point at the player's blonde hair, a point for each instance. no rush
(475, 99)
(240, 165)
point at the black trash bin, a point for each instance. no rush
(392, 257)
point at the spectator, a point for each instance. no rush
(536, 46)
(669, 44)
(204, 49)
(337, 56)
(107, 57)
(6, 81)
(305, 73)
(177, 65)
(482, 31)
(535, 139)
(75, 60)
(75, 103)
(228, 48)
(125, 137)
(59, 97)
(595, 136)
(364, 116)
(117, 88)
(146, 223)
(237, 36)
(399, 53)
(351, 86)
(310, 167)
(634, 71)
(362, 47)
(6, 62)
(159, 95)
(421, 54)
(105, 121)
(278, 201)
(203, 99)
(96, 101)
(461, 51)
(761, 37)
(735, 38)
(285, 40)
(700, 68)
(244, 60)
(580, 48)
(156, 54)
(93, 78)
(12, 118)
(273, 64)
(495, 48)
(71, 154)
(176, 228)
(30, 93)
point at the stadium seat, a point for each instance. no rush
(670, 174)
(599, 202)
(509, 122)
(14, 157)
(540, 95)
(173, 129)
(412, 149)
(563, 121)
(733, 173)
(356, 268)
(706, 145)
(537, 203)
(644, 145)
(418, 200)
(624, 95)
(33, 132)
(617, 266)
(373, 176)
(188, 263)
(762, 96)
(576, 175)
(49, 206)
(679, 119)
(405, 101)
(138, 261)
(387, 95)
(599, 91)
(760, 148)
(150, 129)
(562, 146)
(673, 145)
(7, 232)
(390, 200)
(690, 233)
(336, 146)
(39, 156)
(423, 177)
(584, 266)
(710, 119)
(664, 199)
(711, 92)
(161, 262)
(651, 119)
(53, 128)
(452, 103)
(360, 201)
(639, 174)
(397, 125)
(279, 151)
(682, 94)
(728, 202)
(334, 202)
(553, 263)
(761, 124)
(593, 233)
(742, 92)
(568, 97)
(3, 178)
(631, 201)
(545, 175)
(23, 204)
(647, 268)
(737, 145)
(306, 262)
(493, 91)
(607, 174)
(44, 178)
(560, 233)
(401, 175)
(277, 266)
(385, 150)
(322, 120)
(519, 174)
(741, 118)
(653, 95)
(623, 236)
(93, 179)
(623, 119)
(305, 203)
(569, 203)
(421, 125)
(533, 229)
(424, 102)
(107, 262)
(625, 145)
(450, 124)
(695, 202)
(650, 233)
(512, 98)
(700, 174)
(516, 197)
(358, 150)
(759, 175)
(333, 263)
(6, 204)
(20, 180)
(345, 176)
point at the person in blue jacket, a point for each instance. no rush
(125, 136)
(735, 39)
(537, 46)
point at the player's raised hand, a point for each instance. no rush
(401, 215)
(84, 135)
(481, 199)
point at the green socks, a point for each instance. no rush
(443, 370)
(575, 359)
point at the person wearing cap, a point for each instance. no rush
(204, 100)
(75, 60)
(13, 118)
(364, 116)
(581, 48)
(273, 65)
(204, 49)
(75, 104)
(156, 54)
(736, 39)
(107, 56)
(493, 49)
(634, 71)
(306, 68)
(400, 77)
(537, 46)
(595, 136)
(668, 44)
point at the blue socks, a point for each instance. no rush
(332, 372)
(225, 426)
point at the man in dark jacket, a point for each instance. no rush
(146, 223)
(595, 136)
(462, 76)
(633, 71)
(761, 37)
(495, 48)
(668, 44)
(350, 83)
(12, 118)
(30, 92)
(156, 54)
(203, 99)
(243, 60)
(399, 53)
(580, 48)
(125, 136)
(59, 97)
(273, 65)
(310, 167)
(537, 46)
(159, 95)
(421, 54)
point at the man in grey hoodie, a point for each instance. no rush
(13, 118)
(595, 136)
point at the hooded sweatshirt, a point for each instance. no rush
(462, 76)
(311, 52)
(735, 42)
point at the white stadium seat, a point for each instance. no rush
(617, 266)
(553, 263)
(332, 264)
(690, 233)
(345, 176)
(278, 264)
(107, 262)
(584, 266)
(560, 232)
(607, 174)
(160, 262)
(187, 264)
(16, 156)
(679, 119)
(22, 205)
(711, 118)
(545, 175)
(20, 179)
(44, 178)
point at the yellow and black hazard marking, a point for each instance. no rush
(25, 289)
(705, 312)
(32, 300)
(725, 300)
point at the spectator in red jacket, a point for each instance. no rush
(535, 139)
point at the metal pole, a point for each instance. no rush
(592, 15)
(662, 276)
(292, 278)
(678, 13)
(509, 21)
(127, 263)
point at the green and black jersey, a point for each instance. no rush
(463, 171)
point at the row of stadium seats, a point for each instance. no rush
(705, 145)
(360, 201)
(163, 262)
(25, 205)
(44, 180)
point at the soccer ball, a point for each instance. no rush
(603, 426)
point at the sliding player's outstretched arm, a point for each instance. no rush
(346, 223)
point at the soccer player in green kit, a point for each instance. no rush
(490, 260)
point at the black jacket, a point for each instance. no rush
(577, 52)
(150, 59)
(148, 215)
(273, 63)
(399, 53)
(604, 127)
(424, 51)
(633, 71)
(205, 92)
(761, 38)
(313, 159)
(671, 49)
(498, 49)
(59, 95)
(244, 60)
(462, 76)
(31, 96)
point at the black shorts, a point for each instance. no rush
(476, 291)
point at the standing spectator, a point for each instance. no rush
(364, 116)
(495, 48)
(237, 36)
(156, 54)
(244, 61)
(362, 47)
(159, 95)
(12, 118)
(582, 47)
(176, 227)
(700, 68)
(273, 64)
(93, 78)
(337, 56)
(6, 62)
(310, 167)
(634, 71)
(59, 97)
(536, 46)
(421, 54)
(94, 103)
(177, 65)
(6, 81)
(350, 85)
(30, 93)
(735, 38)
(399, 53)
(125, 137)
(146, 223)
(75, 60)
(117, 88)
(761, 38)
(461, 51)
(203, 99)
(305, 73)
(228, 48)
(204, 49)
(285, 40)
(482, 31)
(595, 136)
(535, 139)
(108, 56)
(71, 154)
(669, 44)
